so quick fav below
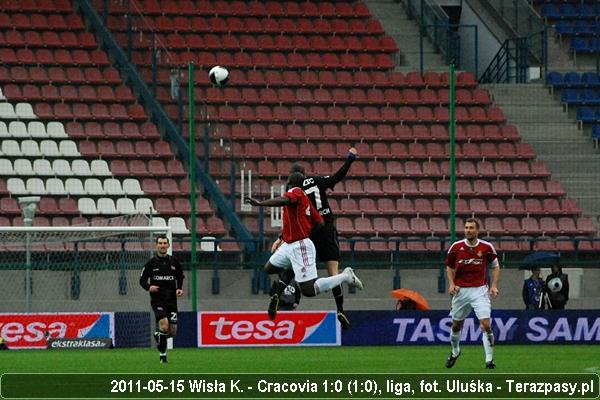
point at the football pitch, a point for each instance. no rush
(357, 359)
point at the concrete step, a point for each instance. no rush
(405, 32)
(562, 148)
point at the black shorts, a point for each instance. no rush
(165, 309)
(326, 243)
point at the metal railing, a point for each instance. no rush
(514, 58)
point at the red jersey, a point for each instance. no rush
(470, 263)
(298, 217)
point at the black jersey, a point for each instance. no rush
(164, 272)
(316, 187)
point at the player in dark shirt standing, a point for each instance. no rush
(166, 279)
(325, 238)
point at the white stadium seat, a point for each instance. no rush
(106, 205)
(207, 243)
(132, 187)
(42, 167)
(7, 111)
(93, 187)
(37, 129)
(30, 148)
(177, 225)
(112, 187)
(18, 129)
(22, 167)
(49, 148)
(74, 187)
(61, 167)
(81, 167)
(2, 95)
(87, 206)
(3, 130)
(56, 130)
(158, 221)
(36, 187)
(100, 168)
(24, 111)
(55, 186)
(144, 205)
(6, 167)
(16, 186)
(125, 206)
(68, 148)
(11, 148)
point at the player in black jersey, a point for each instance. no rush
(166, 279)
(325, 237)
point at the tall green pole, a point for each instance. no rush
(452, 225)
(452, 160)
(192, 168)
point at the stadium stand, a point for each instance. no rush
(308, 80)
(311, 87)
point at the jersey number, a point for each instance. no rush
(174, 316)
(316, 193)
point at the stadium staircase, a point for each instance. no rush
(402, 29)
(546, 114)
(541, 119)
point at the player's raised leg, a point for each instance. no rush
(279, 263)
(321, 285)
(338, 295)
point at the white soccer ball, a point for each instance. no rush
(218, 76)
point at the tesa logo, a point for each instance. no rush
(254, 328)
(29, 330)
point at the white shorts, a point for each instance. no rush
(300, 255)
(471, 298)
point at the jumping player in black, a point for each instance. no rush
(325, 238)
(166, 279)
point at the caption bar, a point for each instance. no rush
(308, 386)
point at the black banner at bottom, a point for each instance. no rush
(308, 386)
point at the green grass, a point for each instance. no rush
(393, 359)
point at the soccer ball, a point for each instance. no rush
(218, 76)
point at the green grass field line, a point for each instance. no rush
(396, 359)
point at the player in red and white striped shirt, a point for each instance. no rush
(297, 250)
(466, 264)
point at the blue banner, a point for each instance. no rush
(510, 326)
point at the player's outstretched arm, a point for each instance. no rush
(343, 171)
(275, 202)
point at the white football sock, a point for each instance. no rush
(325, 284)
(454, 342)
(488, 345)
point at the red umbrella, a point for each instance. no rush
(407, 294)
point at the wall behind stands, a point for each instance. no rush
(487, 43)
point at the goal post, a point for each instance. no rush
(75, 268)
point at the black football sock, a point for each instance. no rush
(285, 277)
(338, 295)
(162, 342)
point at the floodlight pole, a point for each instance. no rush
(29, 205)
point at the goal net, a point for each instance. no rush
(76, 269)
